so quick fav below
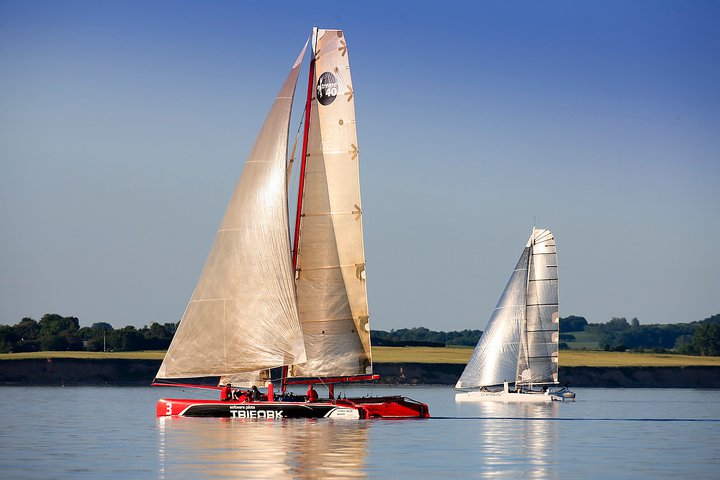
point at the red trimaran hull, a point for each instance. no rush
(346, 408)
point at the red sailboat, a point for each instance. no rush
(260, 305)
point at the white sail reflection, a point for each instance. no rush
(231, 448)
(515, 434)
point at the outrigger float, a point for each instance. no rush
(260, 304)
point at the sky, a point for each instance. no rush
(125, 125)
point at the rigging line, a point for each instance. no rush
(291, 160)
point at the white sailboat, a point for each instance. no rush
(516, 358)
(260, 304)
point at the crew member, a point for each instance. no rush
(226, 393)
(254, 394)
(312, 395)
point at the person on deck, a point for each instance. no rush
(255, 394)
(226, 393)
(312, 395)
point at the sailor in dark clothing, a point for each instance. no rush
(254, 394)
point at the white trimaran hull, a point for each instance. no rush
(561, 395)
(501, 396)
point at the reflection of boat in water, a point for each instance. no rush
(259, 305)
(287, 449)
(512, 436)
(521, 338)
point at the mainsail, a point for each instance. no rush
(542, 320)
(330, 281)
(243, 316)
(520, 342)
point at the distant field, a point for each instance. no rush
(142, 355)
(576, 358)
(421, 354)
(568, 358)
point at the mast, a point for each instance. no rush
(301, 182)
(524, 354)
(303, 160)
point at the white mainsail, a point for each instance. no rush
(243, 315)
(542, 320)
(520, 342)
(330, 281)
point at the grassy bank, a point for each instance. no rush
(142, 355)
(568, 358)
(572, 358)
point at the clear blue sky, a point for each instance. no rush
(124, 127)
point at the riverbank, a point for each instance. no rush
(450, 355)
(140, 372)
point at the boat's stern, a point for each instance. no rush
(563, 395)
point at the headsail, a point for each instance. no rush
(519, 344)
(243, 315)
(495, 357)
(331, 261)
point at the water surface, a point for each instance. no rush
(108, 432)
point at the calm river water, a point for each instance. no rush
(109, 432)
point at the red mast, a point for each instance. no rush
(301, 186)
(303, 160)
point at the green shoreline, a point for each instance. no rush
(450, 355)
(55, 371)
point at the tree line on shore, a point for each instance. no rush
(54, 332)
(695, 338)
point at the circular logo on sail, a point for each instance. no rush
(327, 88)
